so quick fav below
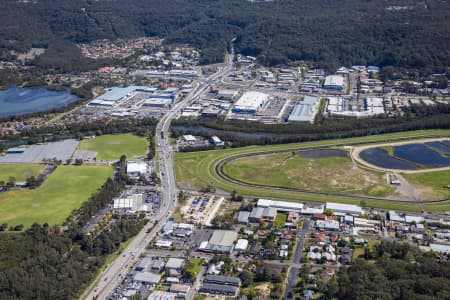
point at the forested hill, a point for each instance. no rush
(405, 33)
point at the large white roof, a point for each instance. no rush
(296, 206)
(136, 167)
(251, 100)
(334, 80)
(340, 207)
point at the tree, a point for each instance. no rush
(329, 212)
(247, 278)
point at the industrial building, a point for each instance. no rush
(335, 104)
(250, 103)
(147, 278)
(284, 206)
(116, 94)
(371, 107)
(334, 82)
(131, 203)
(136, 169)
(221, 241)
(344, 208)
(227, 94)
(305, 111)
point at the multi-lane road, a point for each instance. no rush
(111, 277)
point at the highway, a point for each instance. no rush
(110, 278)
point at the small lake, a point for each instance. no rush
(322, 153)
(380, 158)
(19, 101)
(420, 154)
(443, 146)
(410, 156)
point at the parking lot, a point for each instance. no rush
(201, 209)
(61, 150)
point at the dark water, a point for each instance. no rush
(322, 153)
(439, 146)
(380, 157)
(422, 155)
(19, 101)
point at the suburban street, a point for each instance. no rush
(111, 277)
(295, 266)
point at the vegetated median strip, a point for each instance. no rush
(206, 169)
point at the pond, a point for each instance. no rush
(420, 154)
(380, 158)
(443, 146)
(322, 153)
(19, 101)
(410, 156)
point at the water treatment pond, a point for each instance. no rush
(409, 156)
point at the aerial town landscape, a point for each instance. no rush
(163, 157)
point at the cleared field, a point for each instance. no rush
(63, 191)
(327, 174)
(196, 170)
(112, 146)
(432, 185)
(19, 171)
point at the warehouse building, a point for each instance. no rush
(222, 280)
(135, 169)
(147, 278)
(334, 82)
(131, 203)
(344, 208)
(305, 111)
(284, 206)
(218, 289)
(250, 103)
(227, 94)
(221, 241)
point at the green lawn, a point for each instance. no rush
(327, 174)
(280, 221)
(433, 185)
(63, 191)
(439, 207)
(194, 265)
(20, 171)
(196, 169)
(112, 146)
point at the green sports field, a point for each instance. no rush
(63, 191)
(19, 171)
(333, 174)
(112, 146)
(196, 170)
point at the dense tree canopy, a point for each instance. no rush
(400, 272)
(406, 33)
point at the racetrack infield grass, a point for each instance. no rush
(432, 185)
(21, 172)
(63, 191)
(196, 169)
(113, 146)
(327, 175)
